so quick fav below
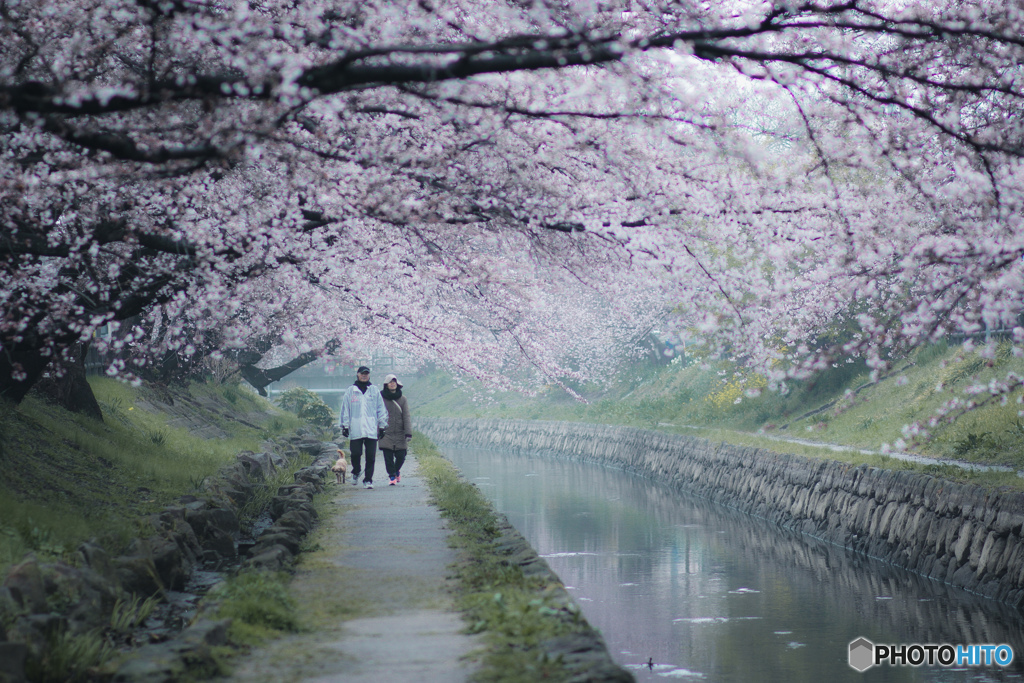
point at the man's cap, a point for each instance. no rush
(362, 369)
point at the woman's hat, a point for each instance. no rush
(388, 378)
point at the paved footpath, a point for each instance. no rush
(374, 597)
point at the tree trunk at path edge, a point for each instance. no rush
(70, 391)
(260, 378)
(20, 369)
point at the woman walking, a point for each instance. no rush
(394, 445)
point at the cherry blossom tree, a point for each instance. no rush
(501, 183)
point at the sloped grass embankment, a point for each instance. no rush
(69, 478)
(840, 407)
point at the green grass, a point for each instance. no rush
(258, 603)
(991, 479)
(84, 656)
(513, 613)
(839, 406)
(127, 616)
(69, 478)
(69, 657)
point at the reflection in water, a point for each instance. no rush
(705, 593)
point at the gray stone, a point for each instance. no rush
(206, 632)
(25, 583)
(138, 574)
(152, 664)
(220, 543)
(586, 657)
(96, 558)
(89, 597)
(309, 446)
(222, 519)
(256, 467)
(977, 545)
(278, 460)
(37, 631)
(277, 537)
(296, 519)
(187, 657)
(12, 662)
(274, 558)
(310, 475)
(296, 500)
(1011, 561)
(1007, 522)
(170, 561)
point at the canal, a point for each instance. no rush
(684, 589)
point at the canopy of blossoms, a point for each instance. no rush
(505, 185)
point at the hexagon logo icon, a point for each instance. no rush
(862, 654)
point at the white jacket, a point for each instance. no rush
(363, 413)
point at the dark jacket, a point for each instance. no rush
(399, 420)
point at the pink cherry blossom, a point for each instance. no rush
(520, 192)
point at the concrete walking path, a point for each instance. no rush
(374, 596)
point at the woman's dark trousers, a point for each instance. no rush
(393, 461)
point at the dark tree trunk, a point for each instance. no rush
(261, 378)
(20, 368)
(71, 389)
(22, 363)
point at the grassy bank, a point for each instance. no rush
(514, 613)
(841, 406)
(69, 478)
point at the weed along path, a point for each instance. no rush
(373, 594)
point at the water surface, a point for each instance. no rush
(685, 589)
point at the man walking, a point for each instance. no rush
(363, 419)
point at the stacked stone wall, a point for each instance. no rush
(40, 602)
(967, 536)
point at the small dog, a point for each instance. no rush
(340, 468)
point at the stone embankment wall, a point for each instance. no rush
(967, 536)
(40, 601)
